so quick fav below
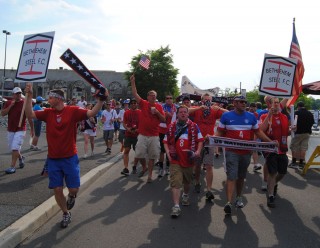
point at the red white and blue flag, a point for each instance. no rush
(144, 62)
(75, 63)
(295, 53)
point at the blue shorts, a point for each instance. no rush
(37, 127)
(67, 169)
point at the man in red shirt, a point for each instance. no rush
(206, 116)
(182, 143)
(131, 124)
(152, 114)
(276, 126)
(63, 162)
(16, 134)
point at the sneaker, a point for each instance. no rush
(125, 172)
(175, 212)
(275, 190)
(301, 166)
(108, 151)
(21, 162)
(227, 208)
(66, 219)
(197, 187)
(161, 172)
(10, 170)
(185, 200)
(257, 167)
(209, 196)
(264, 186)
(85, 156)
(270, 202)
(34, 148)
(293, 165)
(134, 169)
(92, 154)
(71, 201)
(239, 202)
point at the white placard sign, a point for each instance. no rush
(277, 77)
(34, 57)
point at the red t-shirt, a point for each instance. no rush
(274, 132)
(14, 116)
(62, 129)
(131, 119)
(148, 122)
(206, 124)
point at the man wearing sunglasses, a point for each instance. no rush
(16, 134)
(238, 124)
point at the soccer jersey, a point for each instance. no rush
(62, 129)
(148, 122)
(131, 119)
(238, 126)
(182, 146)
(206, 124)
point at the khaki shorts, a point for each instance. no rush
(300, 142)
(180, 176)
(148, 147)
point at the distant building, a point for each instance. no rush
(71, 83)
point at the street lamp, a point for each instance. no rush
(5, 53)
(5, 58)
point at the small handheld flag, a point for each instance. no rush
(75, 63)
(144, 62)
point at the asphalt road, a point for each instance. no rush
(119, 211)
(24, 190)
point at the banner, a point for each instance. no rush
(243, 144)
(34, 57)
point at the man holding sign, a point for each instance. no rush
(16, 132)
(63, 162)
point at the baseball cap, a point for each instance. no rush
(133, 100)
(39, 99)
(127, 101)
(186, 98)
(239, 98)
(16, 90)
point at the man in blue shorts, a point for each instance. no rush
(63, 162)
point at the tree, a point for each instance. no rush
(161, 75)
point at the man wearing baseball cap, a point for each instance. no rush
(16, 133)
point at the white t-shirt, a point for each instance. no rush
(120, 115)
(82, 104)
(109, 119)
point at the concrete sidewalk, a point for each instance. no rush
(26, 201)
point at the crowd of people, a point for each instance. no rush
(172, 136)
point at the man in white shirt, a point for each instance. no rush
(108, 116)
(82, 103)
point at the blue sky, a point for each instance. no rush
(214, 43)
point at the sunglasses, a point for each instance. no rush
(168, 97)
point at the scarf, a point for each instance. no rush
(283, 146)
(207, 111)
(175, 131)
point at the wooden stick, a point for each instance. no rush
(23, 108)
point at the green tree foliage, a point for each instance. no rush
(161, 75)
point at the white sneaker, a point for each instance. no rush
(85, 156)
(92, 154)
(257, 167)
(264, 185)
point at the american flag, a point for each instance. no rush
(75, 63)
(296, 54)
(144, 62)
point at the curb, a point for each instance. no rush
(28, 224)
